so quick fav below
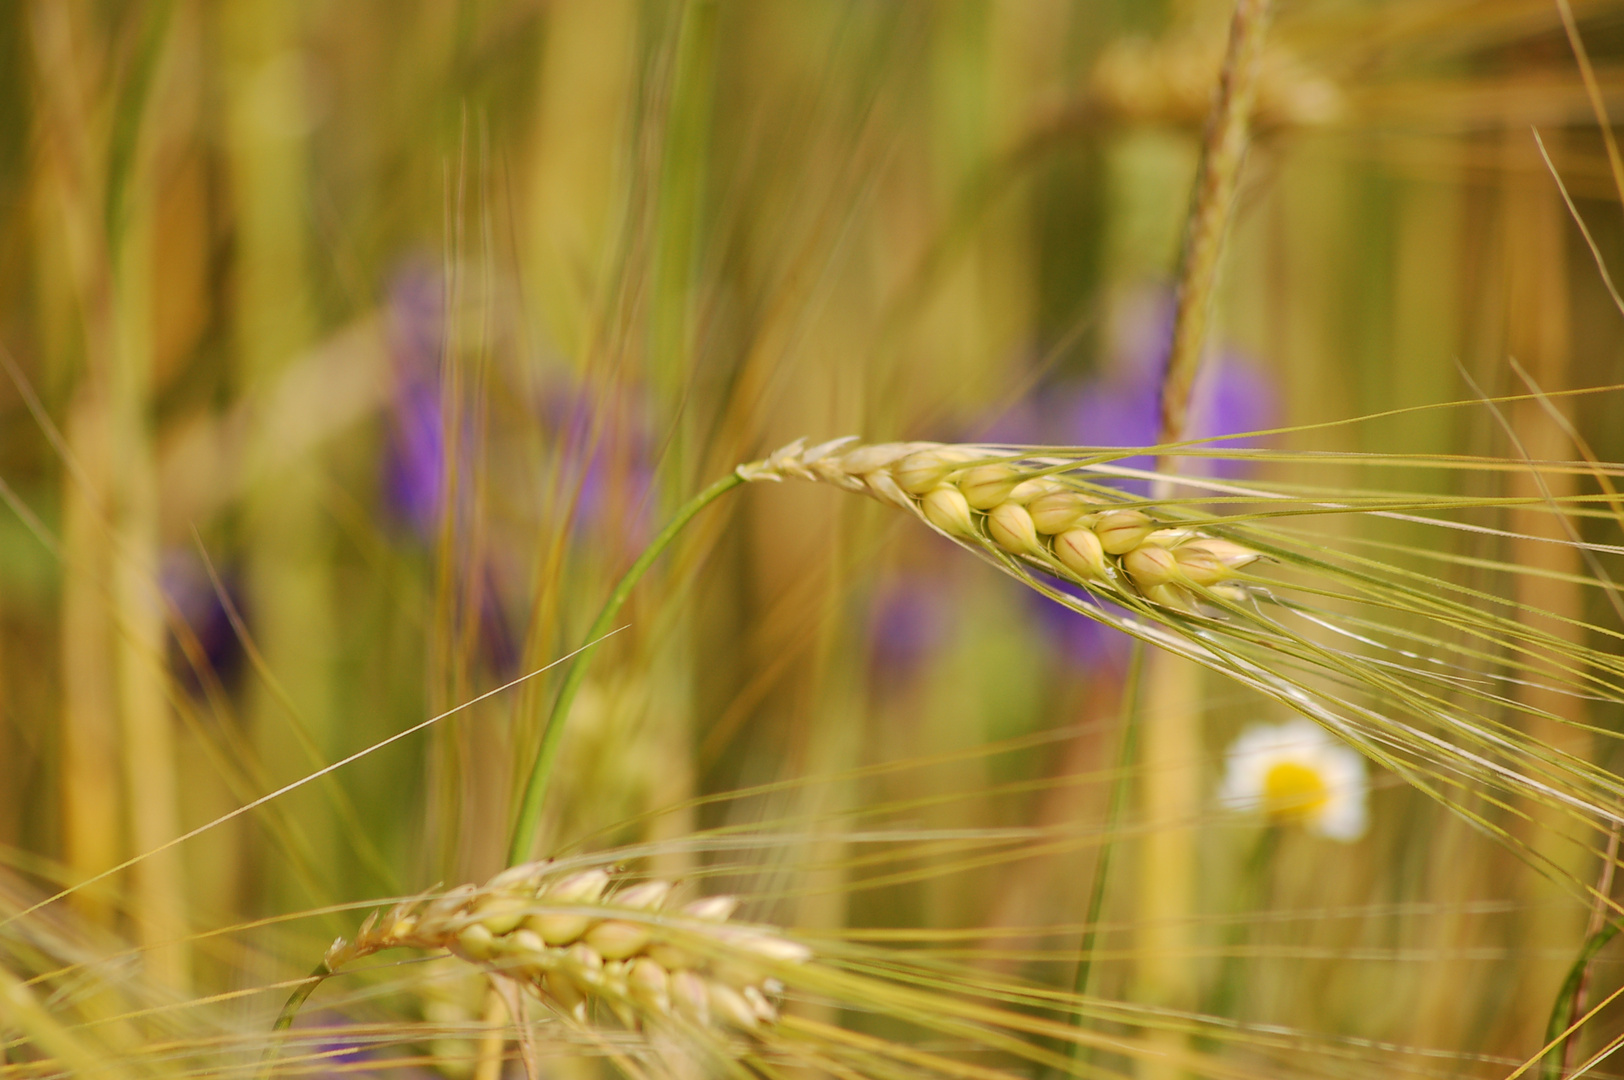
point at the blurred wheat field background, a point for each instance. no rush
(354, 352)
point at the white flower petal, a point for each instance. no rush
(1264, 747)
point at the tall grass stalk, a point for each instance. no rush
(1173, 713)
(287, 553)
(106, 207)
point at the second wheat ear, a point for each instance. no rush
(574, 941)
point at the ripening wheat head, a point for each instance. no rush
(1413, 671)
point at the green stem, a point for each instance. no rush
(535, 788)
(1562, 1016)
(284, 1019)
(1113, 816)
(1254, 892)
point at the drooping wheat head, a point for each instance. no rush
(1316, 632)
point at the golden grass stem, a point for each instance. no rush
(105, 168)
(1173, 726)
(488, 1065)
(287, 539)
(1598, 103)
(534, 797)
(1212, 203)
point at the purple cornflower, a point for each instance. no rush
(205, 645)
(414, 465)
(414, 459)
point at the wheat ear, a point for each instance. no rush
(572, 939)
(1182, 583)
(1014, 509)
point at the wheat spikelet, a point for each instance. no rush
(571, 939)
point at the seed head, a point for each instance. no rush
(582, 888)
(691, 996)
(649, 984)
(867, 459)
(644, 897)
(1024, 504)
(730, 1006)
(712, 908)
(503, 912)
(474, 942)
(919, 472)
(616, 940)
(562, 928)
(616, 950)
(1209, 560)
(1035, 488)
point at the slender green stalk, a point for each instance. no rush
(1570, 1001)
(1113, 816)
(1254, 892)
(1562, 1018)
(290, 1010)
(535, 788)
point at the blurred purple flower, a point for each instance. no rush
(338, 1053)
(414, 462)
(1122, 405)
(605, 457)
(218, 652)
(910, 620)
(414, 458)
(1083, 641)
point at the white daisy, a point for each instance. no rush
(1295, 772)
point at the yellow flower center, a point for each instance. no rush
(1293, 790)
